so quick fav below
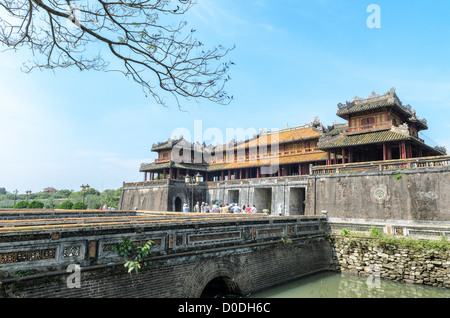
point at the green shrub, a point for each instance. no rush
(66, 205)
(79, 206)
(376, 232)
(36, 205)
(21, 205)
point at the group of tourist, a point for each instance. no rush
(221, 208)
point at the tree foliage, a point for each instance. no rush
(21, 205)
(64, 193)
(161, 55)
(79, 206)
(66, 205)
(134, 254)
(36, 205)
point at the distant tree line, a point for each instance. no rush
(63, 199)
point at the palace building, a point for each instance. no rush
(281, 153)
(377, 128)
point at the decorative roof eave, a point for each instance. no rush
(375, 101)
(363, 139)
(283, 137)
(310, 157)
(420, 124)
(171, 164)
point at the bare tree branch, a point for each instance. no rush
(160, 57)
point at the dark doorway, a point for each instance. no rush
(296, 201)
(178, 204)
(262, 199)
(221, 286)
(233, 196)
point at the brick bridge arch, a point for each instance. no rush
(230, 268)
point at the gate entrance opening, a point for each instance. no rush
(221, 286)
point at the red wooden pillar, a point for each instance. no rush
(246, 173)
(408, 151)
(229, 174)
(384, 151)
(402, 150)
(170, 173)
(222, 176)
(240, 173)
(257, 172)
(145, 176)
(350, 155)
(178, 173)
(279, 170)
(329, 157)
(299, 169)
(343, 155)
(164, 173)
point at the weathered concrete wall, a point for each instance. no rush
(164, 195)
(419, 194)
(144, 197)
(422, 194)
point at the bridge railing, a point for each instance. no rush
(398, 164)
(40, 245)
(416, 230)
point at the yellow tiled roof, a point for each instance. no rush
(282, 137)
(309, 157)
(363, 139)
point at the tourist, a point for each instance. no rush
(254, 209)
(197, 207)
(236, 208)
(248, 209)
(185, 208)
(206, 208)
(224, 209)
(215, 209)
(202, 207)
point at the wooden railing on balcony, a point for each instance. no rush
(398, 164)
(367, 128)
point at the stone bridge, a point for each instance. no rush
(44, 254)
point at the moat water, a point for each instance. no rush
(336, 285)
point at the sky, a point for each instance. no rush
(294, 60)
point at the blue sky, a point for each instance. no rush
(294, 60)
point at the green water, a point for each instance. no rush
(336, 285)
